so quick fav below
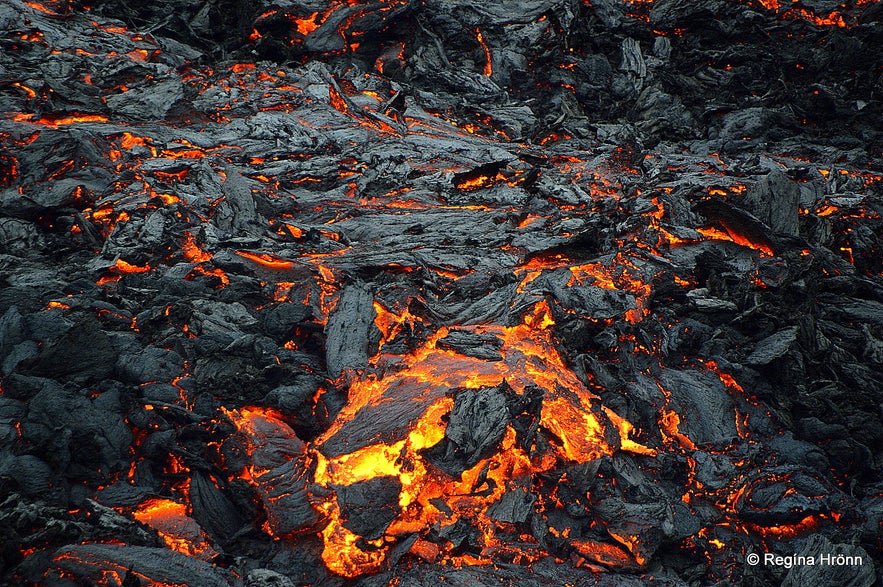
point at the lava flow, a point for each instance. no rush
(351, 293)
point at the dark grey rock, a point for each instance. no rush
(831, 575)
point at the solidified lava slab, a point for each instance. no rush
(441, 293)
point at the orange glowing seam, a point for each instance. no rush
(632, 543)
(294, 230)
(726, 378)
(712, 233)
(832, 19)
(125, 267)
(488, 62)
(214, 272)
(30, 93)
(397, 52)
(138, 55)
(281, 290)
(306, 25)
(337, 101)
(390, 324)
(34, 37)
(56, 122)
(625, 429)
(120, 268)
(806, 525)
(478, 182)
(128, 141)
(41, 8)
(601, 553)
(119, 30)
(192, 252)
(266, 260)
(172, 176)
(669, 423)
(167, 199)
(179, 531)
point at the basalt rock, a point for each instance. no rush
(440, 293)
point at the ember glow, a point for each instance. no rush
(401, 293)
(179, 531)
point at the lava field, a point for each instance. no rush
(441, 293)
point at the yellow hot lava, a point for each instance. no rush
(581, 429)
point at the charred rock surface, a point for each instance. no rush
(440, 293)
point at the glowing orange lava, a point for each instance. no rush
(570, 413)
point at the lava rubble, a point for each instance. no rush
(440, 293)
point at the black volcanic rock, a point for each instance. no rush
(368, 507)
(453, 293)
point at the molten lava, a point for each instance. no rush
(582, 430)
